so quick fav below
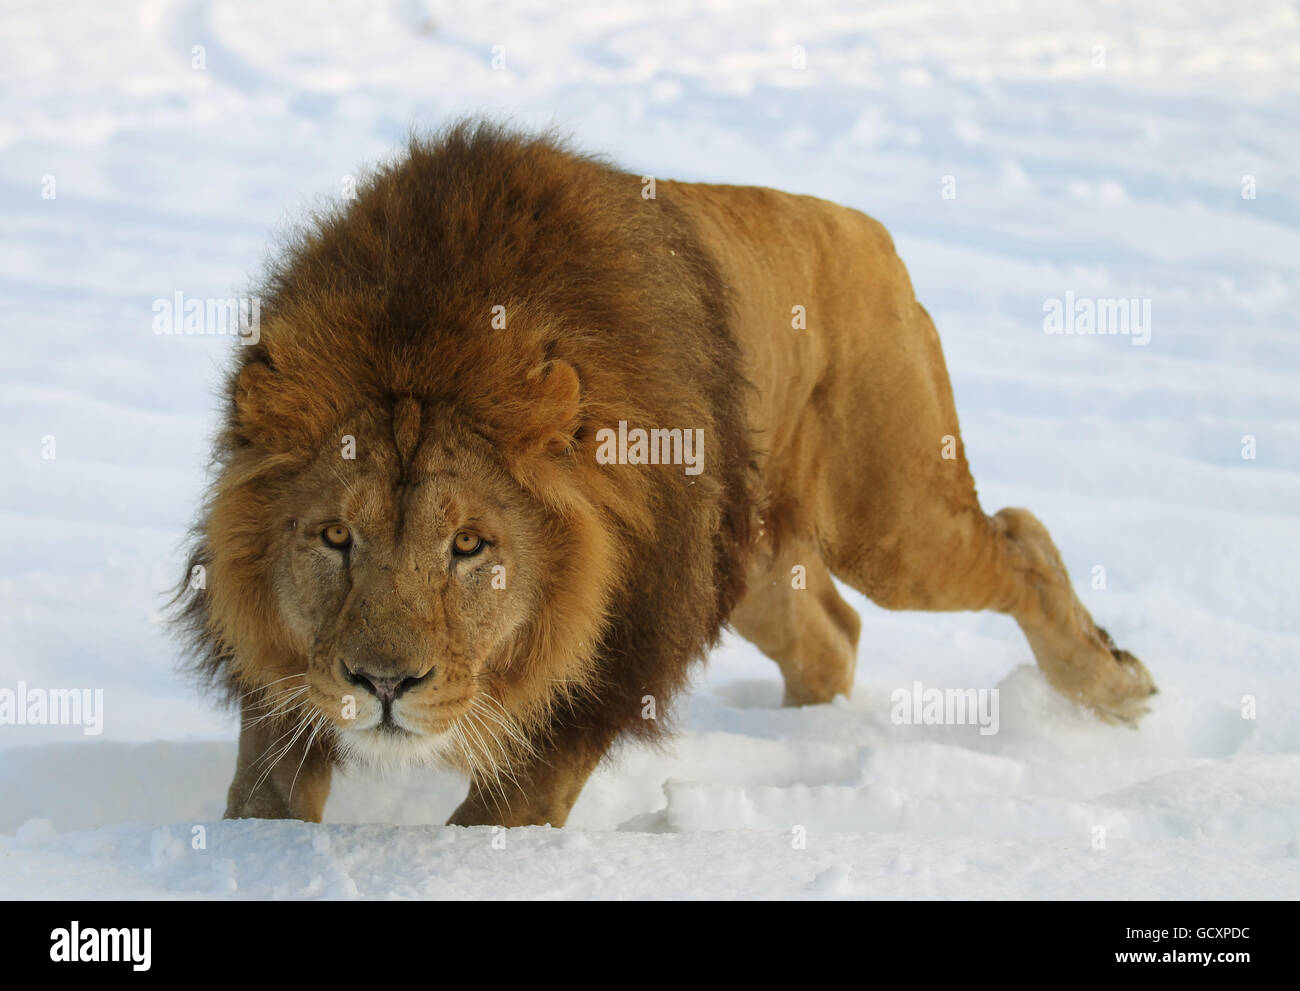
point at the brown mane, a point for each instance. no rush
(387, 300)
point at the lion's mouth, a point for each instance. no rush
(389, 745)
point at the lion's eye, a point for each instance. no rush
(337, 535)
(466, 544)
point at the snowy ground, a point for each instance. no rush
(1095, 148)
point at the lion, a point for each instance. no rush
(520, 433)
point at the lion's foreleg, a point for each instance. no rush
(282, 772)
(539, 790)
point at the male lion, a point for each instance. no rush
(453, 518)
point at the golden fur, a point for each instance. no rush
(598, 584)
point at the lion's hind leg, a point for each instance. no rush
(793, 613)
(1008, 563)
(901, 523)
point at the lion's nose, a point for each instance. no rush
(386, 688)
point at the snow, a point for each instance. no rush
(1115, 180)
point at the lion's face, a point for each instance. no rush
(403, 585)
(410, 581)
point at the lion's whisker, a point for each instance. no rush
(318, 722)
(302, 727)
(282, 710)
(262, 688)
(506, 723)
(500, 766)
(491, 764)
(277, 702)
(293, 729)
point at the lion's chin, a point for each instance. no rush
(390, 749)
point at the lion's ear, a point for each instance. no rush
(554, 393)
